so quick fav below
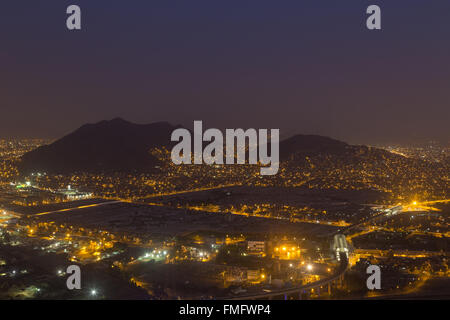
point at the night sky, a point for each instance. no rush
(302, 66)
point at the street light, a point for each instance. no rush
(93, 292)
(309, 267)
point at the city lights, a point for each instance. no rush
(272, 262)
(197, 150)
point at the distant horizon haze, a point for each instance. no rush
(305, 67)
(284, 134)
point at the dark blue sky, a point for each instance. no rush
(302, 66)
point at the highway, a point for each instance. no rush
(298, 290)
(398, 253)
(77, 208)
(327, 281)
(383, 214)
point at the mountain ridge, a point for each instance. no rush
(114, 145)
(122, 146)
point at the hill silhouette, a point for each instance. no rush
(121, 146)
(309, 145)
(115, 145)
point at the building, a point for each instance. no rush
(256, 246)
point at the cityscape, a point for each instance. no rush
(189, 153)
(225, 231)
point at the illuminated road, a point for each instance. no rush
(388, 213)
(5, 216)
(423, 206)
(78, 208)
(436, 201)
(190, 191)
(397, 253)
(383, 214)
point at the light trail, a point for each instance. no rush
(423, 206)
(435, 201)
(77, 208)
(189, 191)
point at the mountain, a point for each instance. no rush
(323, 163)
(121, 146)
(306, 160)
(327, 154)
(106, 146)
(309, 145)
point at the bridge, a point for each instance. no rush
(378, 253)
(340, 245)
(335, 280)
